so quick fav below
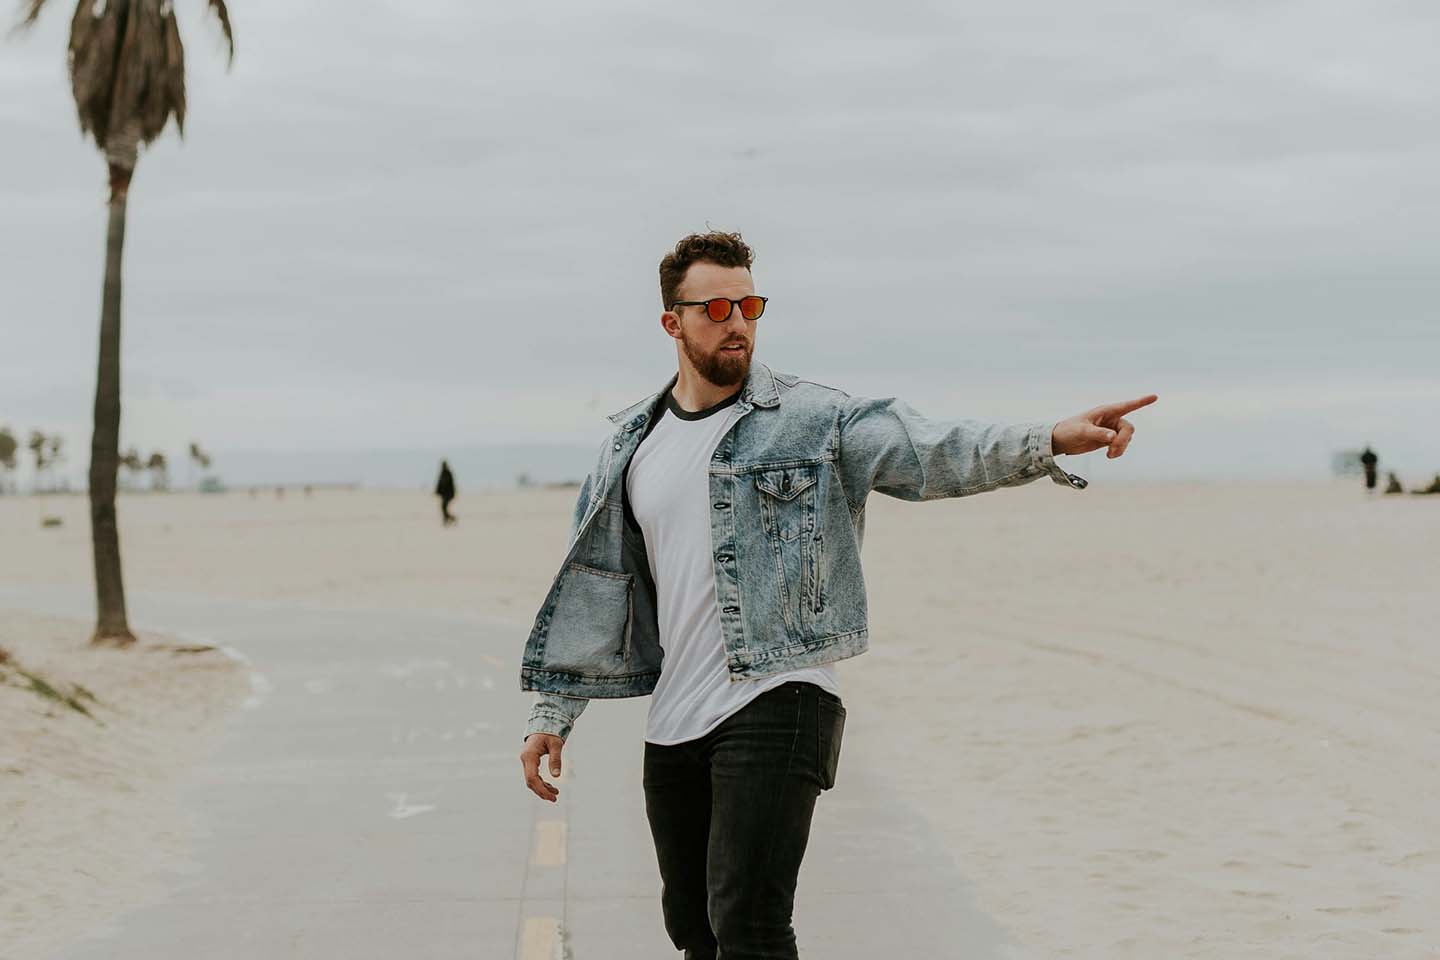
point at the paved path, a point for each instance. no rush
(368, 803)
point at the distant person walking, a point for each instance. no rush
(445, 490)
(1369, 460)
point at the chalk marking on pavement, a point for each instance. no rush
(403, 809)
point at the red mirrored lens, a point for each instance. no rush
(719, 308)
(751, 307)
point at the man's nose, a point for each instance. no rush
(736, 322)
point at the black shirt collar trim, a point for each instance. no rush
(684, 414)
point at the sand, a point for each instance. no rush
(88, 800)
(1169, 720)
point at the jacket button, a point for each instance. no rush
(732, 610)
(617, 446)
(722, 557)
(721, 506)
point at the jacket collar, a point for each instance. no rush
(759, 390)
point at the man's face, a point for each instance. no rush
(720, 352)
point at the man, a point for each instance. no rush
(714, 564)
(445, 490)
(1371, 462)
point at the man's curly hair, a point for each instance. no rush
(721, 249)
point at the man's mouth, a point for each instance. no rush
(734, 347)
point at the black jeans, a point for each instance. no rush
(730, 813)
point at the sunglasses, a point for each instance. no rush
(718, 308)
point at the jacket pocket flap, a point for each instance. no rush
(785, 483)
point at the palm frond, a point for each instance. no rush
(32, 12)
(127, 68)
(223, 15)
(94, 48)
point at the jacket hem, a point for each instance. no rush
(810, 653)
(568, 684)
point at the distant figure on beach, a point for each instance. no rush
(445, 490)
(1368, 459)
(1392, 483)
(714, 565)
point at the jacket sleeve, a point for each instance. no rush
(888, 446)
(553, 713)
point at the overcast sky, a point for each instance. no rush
(424, 224)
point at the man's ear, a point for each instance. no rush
(670, 323)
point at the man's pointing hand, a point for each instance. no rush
(1102, 426)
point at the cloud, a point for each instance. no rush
(446, 217)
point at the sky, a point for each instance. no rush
(401, 226)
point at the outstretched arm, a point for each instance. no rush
(888, 446)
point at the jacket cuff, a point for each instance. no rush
(1042, 457)
(548, 721)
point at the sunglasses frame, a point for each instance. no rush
(733, 305)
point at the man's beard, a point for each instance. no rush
(721, 368)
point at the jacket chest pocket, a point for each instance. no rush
(787, 501)
(788, 509)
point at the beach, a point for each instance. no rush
(1163, 719)
(88, 805)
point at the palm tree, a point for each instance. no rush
(197, 456)
(54, 458)
(132, 463)
(37, 444)
(158, 467)
(8, 446)
(127, 72)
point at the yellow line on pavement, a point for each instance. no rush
(541, 940)
(549, 843)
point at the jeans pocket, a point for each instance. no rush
(830, 733)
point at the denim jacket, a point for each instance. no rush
(788, 484)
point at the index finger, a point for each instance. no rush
(1124, 407)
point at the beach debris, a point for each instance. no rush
(1433, 488)
(14, 675)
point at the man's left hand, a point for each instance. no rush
(1103, 426)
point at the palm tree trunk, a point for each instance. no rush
(111, 626)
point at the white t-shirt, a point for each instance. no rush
(669, 489)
